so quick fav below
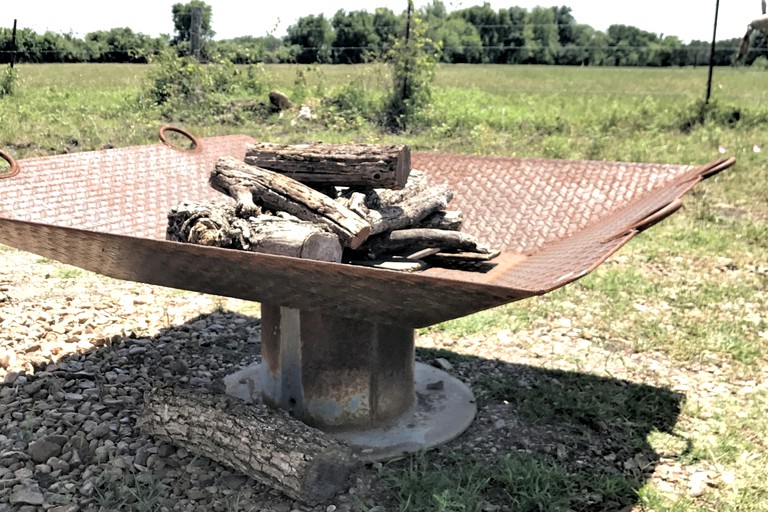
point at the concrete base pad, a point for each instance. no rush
(443, 409)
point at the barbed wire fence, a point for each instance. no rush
(696, 49)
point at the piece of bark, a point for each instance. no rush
(412, 240)
(215, 224)
(250, 185)
(338, 164)
(449, 220)
(262, 443)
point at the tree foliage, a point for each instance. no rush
(355, 38)
(314, 36)
(480, 33)
(182, 20)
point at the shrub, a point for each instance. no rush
(8, 80)
(184, 88)
(414, 60)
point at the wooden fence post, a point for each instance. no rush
(195, 29)
(13, 44)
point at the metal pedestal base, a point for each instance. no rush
(443, 409)
(356, 380)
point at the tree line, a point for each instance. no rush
(478, 34)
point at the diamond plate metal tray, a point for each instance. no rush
(554, 220)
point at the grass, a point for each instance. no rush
(691, 293)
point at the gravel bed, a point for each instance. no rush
(79, 352)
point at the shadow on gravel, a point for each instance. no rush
(543, 439)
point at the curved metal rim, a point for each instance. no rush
(14, 170)
(196, 145)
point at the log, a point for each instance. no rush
(250, 185)
(298, 239)
(417, 181)
(262, 443)
(215, 224)
(338, 164)
(410, 211)
(203, 224)
(411, 240)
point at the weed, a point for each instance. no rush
(66, 273)
(449, 483)
(140, 492)
(9, 78)
(413, 61)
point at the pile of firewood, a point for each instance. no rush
(359, 204)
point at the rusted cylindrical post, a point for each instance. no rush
(336, 373)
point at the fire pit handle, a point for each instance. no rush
(196, 146)
(14, 170)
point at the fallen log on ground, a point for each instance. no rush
(262, 443)
(338, 164)
(253, 187)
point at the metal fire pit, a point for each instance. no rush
(338, 340)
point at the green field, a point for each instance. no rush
(690, 296)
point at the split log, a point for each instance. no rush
(410, 211)
(416, 239)
(262, 443)
(338, 164)
(417, 181)
(217, 225)
(250, 185)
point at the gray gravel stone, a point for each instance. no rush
(28, 494)
(23, 473)
(42, 450)
(101, 430)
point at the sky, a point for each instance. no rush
(687, 19)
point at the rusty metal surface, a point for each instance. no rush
(555, 220)
(335, 373)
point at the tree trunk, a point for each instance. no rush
(251, 185)
(263, 443)
(338, 164)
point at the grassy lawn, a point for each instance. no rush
(672, 327)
